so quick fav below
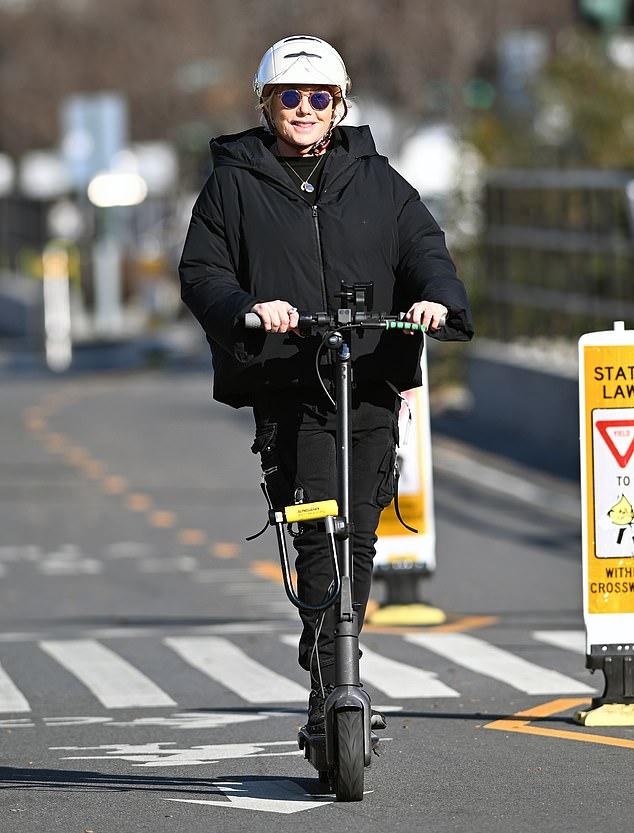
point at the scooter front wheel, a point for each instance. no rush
(350, 757)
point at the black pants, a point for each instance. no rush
(296, 441)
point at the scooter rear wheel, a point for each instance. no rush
(350, 756)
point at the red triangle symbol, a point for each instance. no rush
(624, 430)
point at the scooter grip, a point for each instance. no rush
(252, 321)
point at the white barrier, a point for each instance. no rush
(403, 557)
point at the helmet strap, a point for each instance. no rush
(323, 143)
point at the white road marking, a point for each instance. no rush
(231, 667)
(483, 658)
(11, 698)
(268, 796)
(20, 637)
(255, 589)
(17, 723)
(396, 679)
(179, 720)
(125, 631)
(128, 549)
(220, 576)
(166, 753)
(80, 567)
(77, 721)
(568, 640)
(69, 560)
(179, 564)
(187, 720)
(112, 679)
(20, 553)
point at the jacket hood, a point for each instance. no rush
(252, 148)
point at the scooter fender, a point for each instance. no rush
(342, 698)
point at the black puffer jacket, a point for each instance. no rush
(254, 238)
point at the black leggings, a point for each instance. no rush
(296, 442)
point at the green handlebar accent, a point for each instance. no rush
(404, 325)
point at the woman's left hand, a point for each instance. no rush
(429, 314)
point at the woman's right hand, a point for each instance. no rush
(277, 316)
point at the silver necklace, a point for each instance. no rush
(306, 185)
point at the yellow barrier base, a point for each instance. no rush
(609, 714)
(412, 614)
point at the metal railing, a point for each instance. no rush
(557, 253)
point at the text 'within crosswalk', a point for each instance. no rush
(117, 683)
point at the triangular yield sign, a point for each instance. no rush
(619, 437)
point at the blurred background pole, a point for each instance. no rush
(106, 263)
(57, 326)
(109, 192)
(94, 131)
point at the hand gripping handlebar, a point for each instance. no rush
(309, 322)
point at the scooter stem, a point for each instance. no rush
(347, 630)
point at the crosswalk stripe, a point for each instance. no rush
(568, 640)
(112, 679)
(393, 678)
(397, 679)
(483, 658)
(228, 665)
(11, 698)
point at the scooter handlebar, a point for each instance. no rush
(252, 321)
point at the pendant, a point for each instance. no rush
(306, 186)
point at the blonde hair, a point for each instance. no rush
(264, 108)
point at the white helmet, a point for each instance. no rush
(302, 59)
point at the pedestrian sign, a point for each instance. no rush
(606, 398)
(606, 421)
(612, 446)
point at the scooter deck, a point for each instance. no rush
(314, 747)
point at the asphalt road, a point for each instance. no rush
(147, 681)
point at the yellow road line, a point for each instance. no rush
(56, 443)
(115, 485)
(162, 519)
(464, 624)
(224, 549)
(192, 537)
(520, 722)
(94, 469)
(268, 570)
(138, 502)
(76, 456)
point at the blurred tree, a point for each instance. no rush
(186, 66)
(583, 115)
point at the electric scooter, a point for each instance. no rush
(342, 752)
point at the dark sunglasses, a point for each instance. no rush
(318, 100)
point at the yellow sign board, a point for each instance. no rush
(397, 546)
(609, 437)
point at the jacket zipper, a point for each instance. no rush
(324, 295)
(327, 359)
